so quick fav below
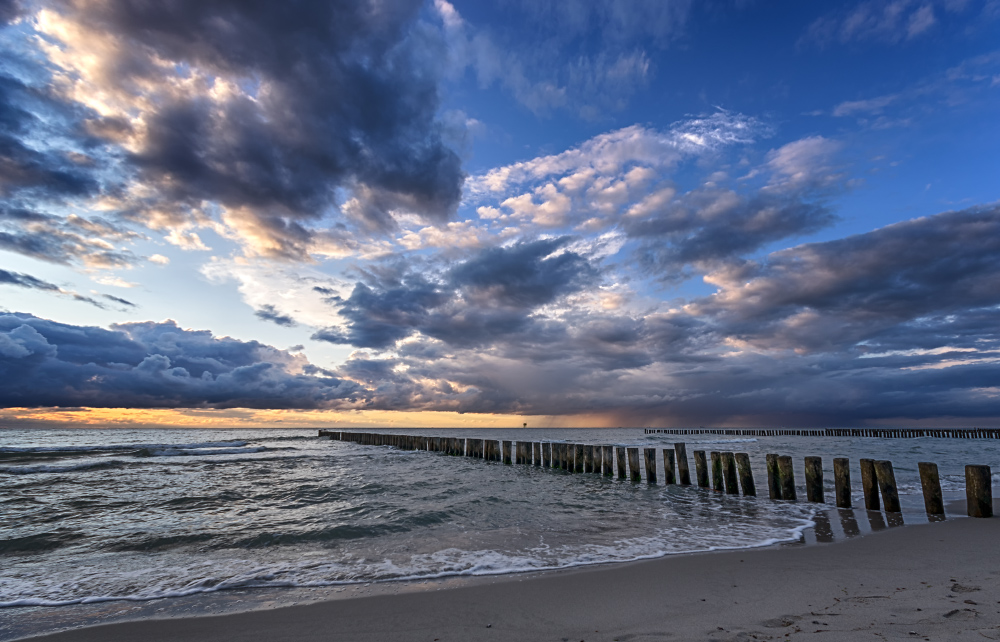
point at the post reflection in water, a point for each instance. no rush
(876, 520)
(894, 519)
(824, 532)
(848, 522)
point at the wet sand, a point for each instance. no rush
(938, 581)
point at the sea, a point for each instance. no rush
(105, 524)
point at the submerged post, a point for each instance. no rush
(633, 464)
(746, 475)
(887, 484)
(979, 491)
(786, 474)
(729, 473)
(620, 461)
(773, 476)
(668, 466)
(650, 455)
(683, 472)
(717, 479)
(701, 468)
(931, 485)
(869, 487)
(842, 481)
(814, 480)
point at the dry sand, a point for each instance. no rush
(929, 582)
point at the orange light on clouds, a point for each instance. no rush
(250, 418)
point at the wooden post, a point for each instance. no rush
(566, 457)
(979, 491)
(814, 480)
(650, 455)
(588, 459)
(683, 472)
(547, 454)
(717, 479)
(842, 481)
(668, 466)
(869, 487)
(536, 453)
(746, 475)
(598, 459)
(931, 485)
(609, 466)
(887, 484)
(633, 464)
(506, 446)
(701, 468)
(578, 458)
(773, 477)
(786, 475)
(620, 461)
(729, 472)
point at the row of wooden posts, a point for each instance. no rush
(885, 433)
(729, 471)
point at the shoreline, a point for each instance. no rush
(677, 596)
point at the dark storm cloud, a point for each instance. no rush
(708, 226)
(269, 313)
(9, 10)
(27, 170)
(477, 301)
(65, 240)
(150, 365)
(344, 96)
(905, 278)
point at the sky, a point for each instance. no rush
(404, 213)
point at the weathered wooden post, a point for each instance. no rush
(814, 480)
(519, 452)
(729, 472)
(787, 477)
(620, 461)
(598, 459)
(547, 454)
(609, 460)
(649, 455)
(701, 468)
(931, 485)
(669, 476)
(746, 475)
(979, 491)
(842, 481)
(773, 476)
(556, 456)
(869, 487)
(683, 472)
(887, 484)
(506, 446)
(633, 464)
(588, 458)
(536, 453)
(578, 458)
(566, 457)
(717, 480)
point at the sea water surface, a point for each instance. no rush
(91, 516)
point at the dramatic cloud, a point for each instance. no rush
(475, 302)
(271, 121)
(153, 365)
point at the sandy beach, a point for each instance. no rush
(935, 582)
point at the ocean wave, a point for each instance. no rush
(734, 440)
(118, 447)
(90, 465)
(182, 451)
(313, 573)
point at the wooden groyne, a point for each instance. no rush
(884, 433)
(730, 472)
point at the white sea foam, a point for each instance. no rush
(118, 447)
(28, 470)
